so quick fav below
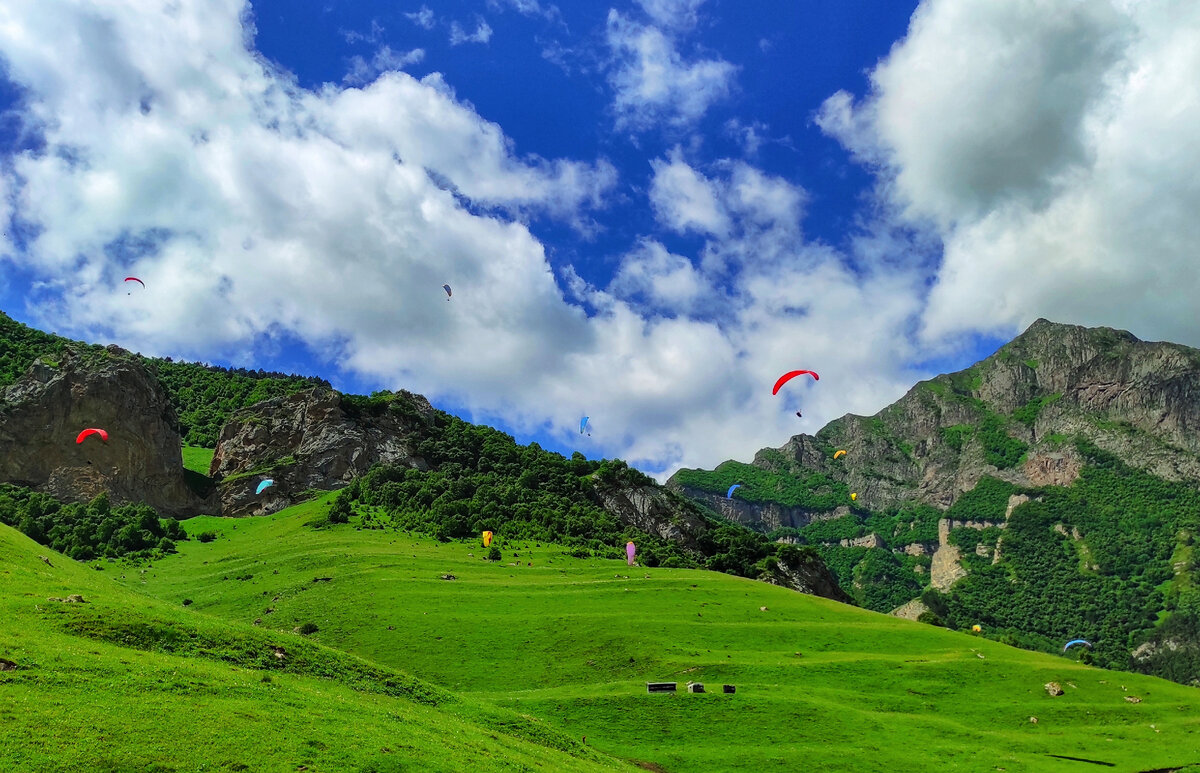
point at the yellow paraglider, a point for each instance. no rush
(853, 497)
(487, 539)
(976, 628)
(839, 454)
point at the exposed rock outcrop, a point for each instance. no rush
(311, 440)
(910, 611)
(42, 413)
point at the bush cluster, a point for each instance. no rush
(94, 530)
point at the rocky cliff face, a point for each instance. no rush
(807, 574)
(1137, 400)
(42, 413)
(311, 440)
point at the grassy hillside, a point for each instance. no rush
(821, 686)
(124, 683)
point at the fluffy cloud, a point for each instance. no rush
(258, 211)
(362, 71)
(458, 36)
(653, 83)
(423, 18)
(677, 14)
(1051, 147)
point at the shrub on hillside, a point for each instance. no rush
(494, 554)
(207, 536)
(308, 629)
(85, 532)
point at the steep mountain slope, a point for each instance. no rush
(1069, 460)
(820, 685)
(119, 681)
(317, 439)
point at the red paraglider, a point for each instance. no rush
(786, 377)
(135, 279)
(91, 431)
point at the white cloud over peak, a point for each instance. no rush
(1052, 148)
(653, 83)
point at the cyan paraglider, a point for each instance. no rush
(583, 425)
(729, 493)
(263, 484)
(1076, 641)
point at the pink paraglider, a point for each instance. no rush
(630, 552)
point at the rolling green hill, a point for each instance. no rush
(122, 682)
(820, 686)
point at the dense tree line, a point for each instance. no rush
(481, 480)
(1106, 587)
(94, 530)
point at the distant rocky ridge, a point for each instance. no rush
(1137, 400)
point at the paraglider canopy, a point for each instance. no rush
(135, 279)
(853, 497)
(487, 539)
(264, 484)
(583, 425)
(838, 454)
(786, 377)
(448, 293)
(91, 431)
(630, 552)
(1076, 641)
(976, 628)
(729, 493)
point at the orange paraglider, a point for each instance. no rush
(839, 454)
(91, 431)
(487, 539)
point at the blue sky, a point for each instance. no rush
(647, 209)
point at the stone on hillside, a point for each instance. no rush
(911, 610)
(449, 577)
(1054, 688)
(46, 561)
(1132, 699)
(7, 665)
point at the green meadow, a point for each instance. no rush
(124, 682)
(562, 647)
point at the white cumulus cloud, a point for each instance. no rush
(1052, 148)
(653, 83)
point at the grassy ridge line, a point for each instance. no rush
(91, 702)
(572, 641)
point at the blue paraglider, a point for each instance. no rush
(583, 425)
(448, 293)
(729, 493)
(1076, 641)
(262, 485)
